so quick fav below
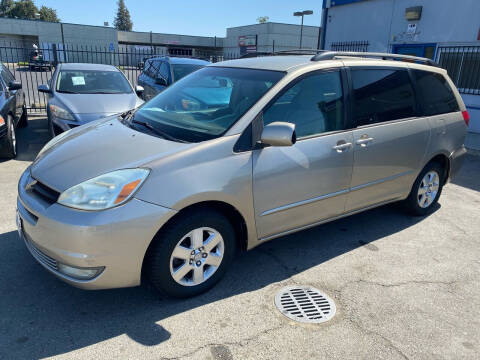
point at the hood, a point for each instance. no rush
(96, 149)
(99, 103)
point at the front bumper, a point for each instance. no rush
(115, 239)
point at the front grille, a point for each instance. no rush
(42, 258)
(44, 192)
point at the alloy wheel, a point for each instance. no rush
(428, 189)
(197, 256)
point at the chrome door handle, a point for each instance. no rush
(364, 141)
(341, 147)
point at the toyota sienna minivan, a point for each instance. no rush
(236, 154)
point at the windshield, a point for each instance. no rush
(205, 104)
(181, 70)
(92, 82)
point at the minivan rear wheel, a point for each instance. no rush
(426, 190)
(191, 254)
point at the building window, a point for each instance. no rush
(463, 66)
(361, 46)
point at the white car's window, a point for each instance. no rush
(92, 82)
(314, 104)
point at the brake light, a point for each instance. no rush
(466, 117)
(2, 120)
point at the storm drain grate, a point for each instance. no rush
(305, 304)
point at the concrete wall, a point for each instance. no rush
(133, 37)
(286, 36)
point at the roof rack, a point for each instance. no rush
(329, 55)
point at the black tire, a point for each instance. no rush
(23, 122)
(157, 262)
(412, 203)
(9, 146)
(52, 129)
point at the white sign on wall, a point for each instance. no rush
(412, 28)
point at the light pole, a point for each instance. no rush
(302, 14)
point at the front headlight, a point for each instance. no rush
(60, 113)
(104, 191)
(53, 142)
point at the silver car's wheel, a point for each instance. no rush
(197, 256)
(428, 189)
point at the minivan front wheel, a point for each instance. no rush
(191, 254)
(426, 190)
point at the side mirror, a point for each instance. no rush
(139, 90)
(279, 134)
(14, 85)
(161, 81)
(44, 88)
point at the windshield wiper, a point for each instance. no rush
(67, 92)
(156, 131)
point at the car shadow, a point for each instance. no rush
(42, 316)
(31, 139)
(468, 176)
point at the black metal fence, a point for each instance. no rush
(361, 46)
(33, 72)
(463, 66)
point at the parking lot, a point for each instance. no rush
(404, 288)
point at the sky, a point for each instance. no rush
(190, 17)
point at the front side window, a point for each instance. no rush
(314, 104)
(181, 70)
(381, 95)
(164, 71)
(205, 104)
(436, 94)
(92, 82)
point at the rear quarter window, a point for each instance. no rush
(381, 95)
(435, 94)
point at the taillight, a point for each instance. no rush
(466, 117)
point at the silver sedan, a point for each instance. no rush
(80, 93)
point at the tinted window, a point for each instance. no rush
(92, 82)
(181, 70)
(381, 95)
(314, 105)
(153, 68)
(164, 71)
(436, 95)
(205, 104)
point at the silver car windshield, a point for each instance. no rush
(92, 82)
(206, 103)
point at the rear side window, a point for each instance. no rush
(7, 76)
(435, 93)
(381, 95)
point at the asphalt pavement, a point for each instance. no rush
(404, 287)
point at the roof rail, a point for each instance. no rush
(298, 51)
(255, 54)
(329, 55)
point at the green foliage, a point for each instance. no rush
(6, 7)
(122, 21)
(48, 14)
(262, 19)
(26, 9)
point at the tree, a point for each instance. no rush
(6, 7)
(262, 19)
(48, 14)
(23, 9)
(122, 20)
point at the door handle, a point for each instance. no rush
(363, 141)
(341, 146)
